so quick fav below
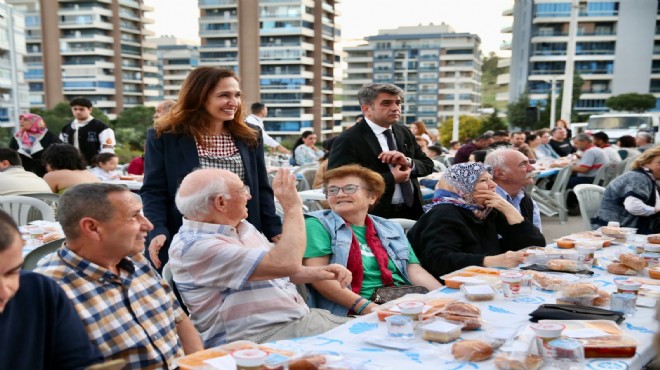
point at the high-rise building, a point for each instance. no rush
(615, 49)
(437, 68)
(13, 88)
(284, 53)
(176, 58)
(91, 48)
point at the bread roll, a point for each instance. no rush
(50, 237)
(614, 232)
(655, 238)
(472, 350)
(462, 309)
(632, 261)
(580, 290)
(603, 298)
(470, 323)
(530, 362)
(561, 265)
(620, 269)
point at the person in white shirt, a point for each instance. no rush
(105, 167)
(14, 179)
(602, 140)
(259, 112)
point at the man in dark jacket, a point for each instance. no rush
(86, 133)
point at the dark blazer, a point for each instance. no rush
(33, 163)
(360, 145)
(169, 158)
(448, 238)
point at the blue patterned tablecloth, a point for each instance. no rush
(347, 340)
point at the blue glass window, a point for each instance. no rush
(552, 10)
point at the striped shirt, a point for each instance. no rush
(131, 316)
(211, 265)
(592, 158)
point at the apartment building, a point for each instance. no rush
(284, 52)
(615, 49)
(91, 48)
(438, 68)
(176, 58)
(13, 88)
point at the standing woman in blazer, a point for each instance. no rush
(204, 129)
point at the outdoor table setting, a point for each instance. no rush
(37, 233)
(129, 182)
(498, 309)
(545, 168)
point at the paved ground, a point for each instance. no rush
(553, 229)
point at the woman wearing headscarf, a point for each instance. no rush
(470, 224)
(31, 141)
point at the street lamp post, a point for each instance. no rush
(567, 89)
(553, 101)
(454, 135)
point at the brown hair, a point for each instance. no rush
(188, 116)
(373, 180)
(421, 128)
(646, 157)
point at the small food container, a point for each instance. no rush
(413, 309)
(627, 286)
(587, 300)
(400, 327)
(478, 292)
(442, 331)
(567, 353)
(249, 359)
(497, 336)
(565, 243)
(511, 283)
(629, 233)
(546, 333)
(37, 233)
(651, 248)
(654, 272)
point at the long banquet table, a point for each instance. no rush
(348, 339)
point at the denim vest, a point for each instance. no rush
(391, 236)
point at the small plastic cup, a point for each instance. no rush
(630, 234)
(613, 224)
(400, 327)
(567, 353)
(586, 254)
(546, 333)
(413, 309)
(623, 302)
(249, 359)
(511, 283)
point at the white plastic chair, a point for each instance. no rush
(52, 199)
(405, 223)
(167, 275)
(18, 207)
(589, 197)
(32, 259)
(552, 202)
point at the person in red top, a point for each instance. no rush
(136, 166)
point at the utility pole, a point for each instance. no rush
(553, 101)
(567, 96)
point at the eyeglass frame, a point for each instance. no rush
(328, 193)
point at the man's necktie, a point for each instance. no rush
(407, 186)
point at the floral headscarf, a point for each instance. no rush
(37, 129)
(462, 177)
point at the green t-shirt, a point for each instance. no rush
(319, 245)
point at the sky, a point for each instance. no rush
(361, 18)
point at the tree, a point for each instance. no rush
(468, 127)
(131, 126)
(517, 112)
(494, 123)
(631, 102)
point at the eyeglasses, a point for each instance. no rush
(332, 191)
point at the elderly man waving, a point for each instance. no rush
(236, 284)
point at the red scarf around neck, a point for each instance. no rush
(354, 264)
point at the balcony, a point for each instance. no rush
(505, 45)
(216, 3)
(507, 12)
(506, 29)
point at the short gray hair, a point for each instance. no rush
(584, 137)
(646, 136)
(197, 203)
(86, 200)
(496, 157)
(368, 92)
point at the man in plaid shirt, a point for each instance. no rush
(129, 312)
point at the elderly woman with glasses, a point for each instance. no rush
(374, 249)
(470, 224)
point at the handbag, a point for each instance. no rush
(389, 293)
(574, 312)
